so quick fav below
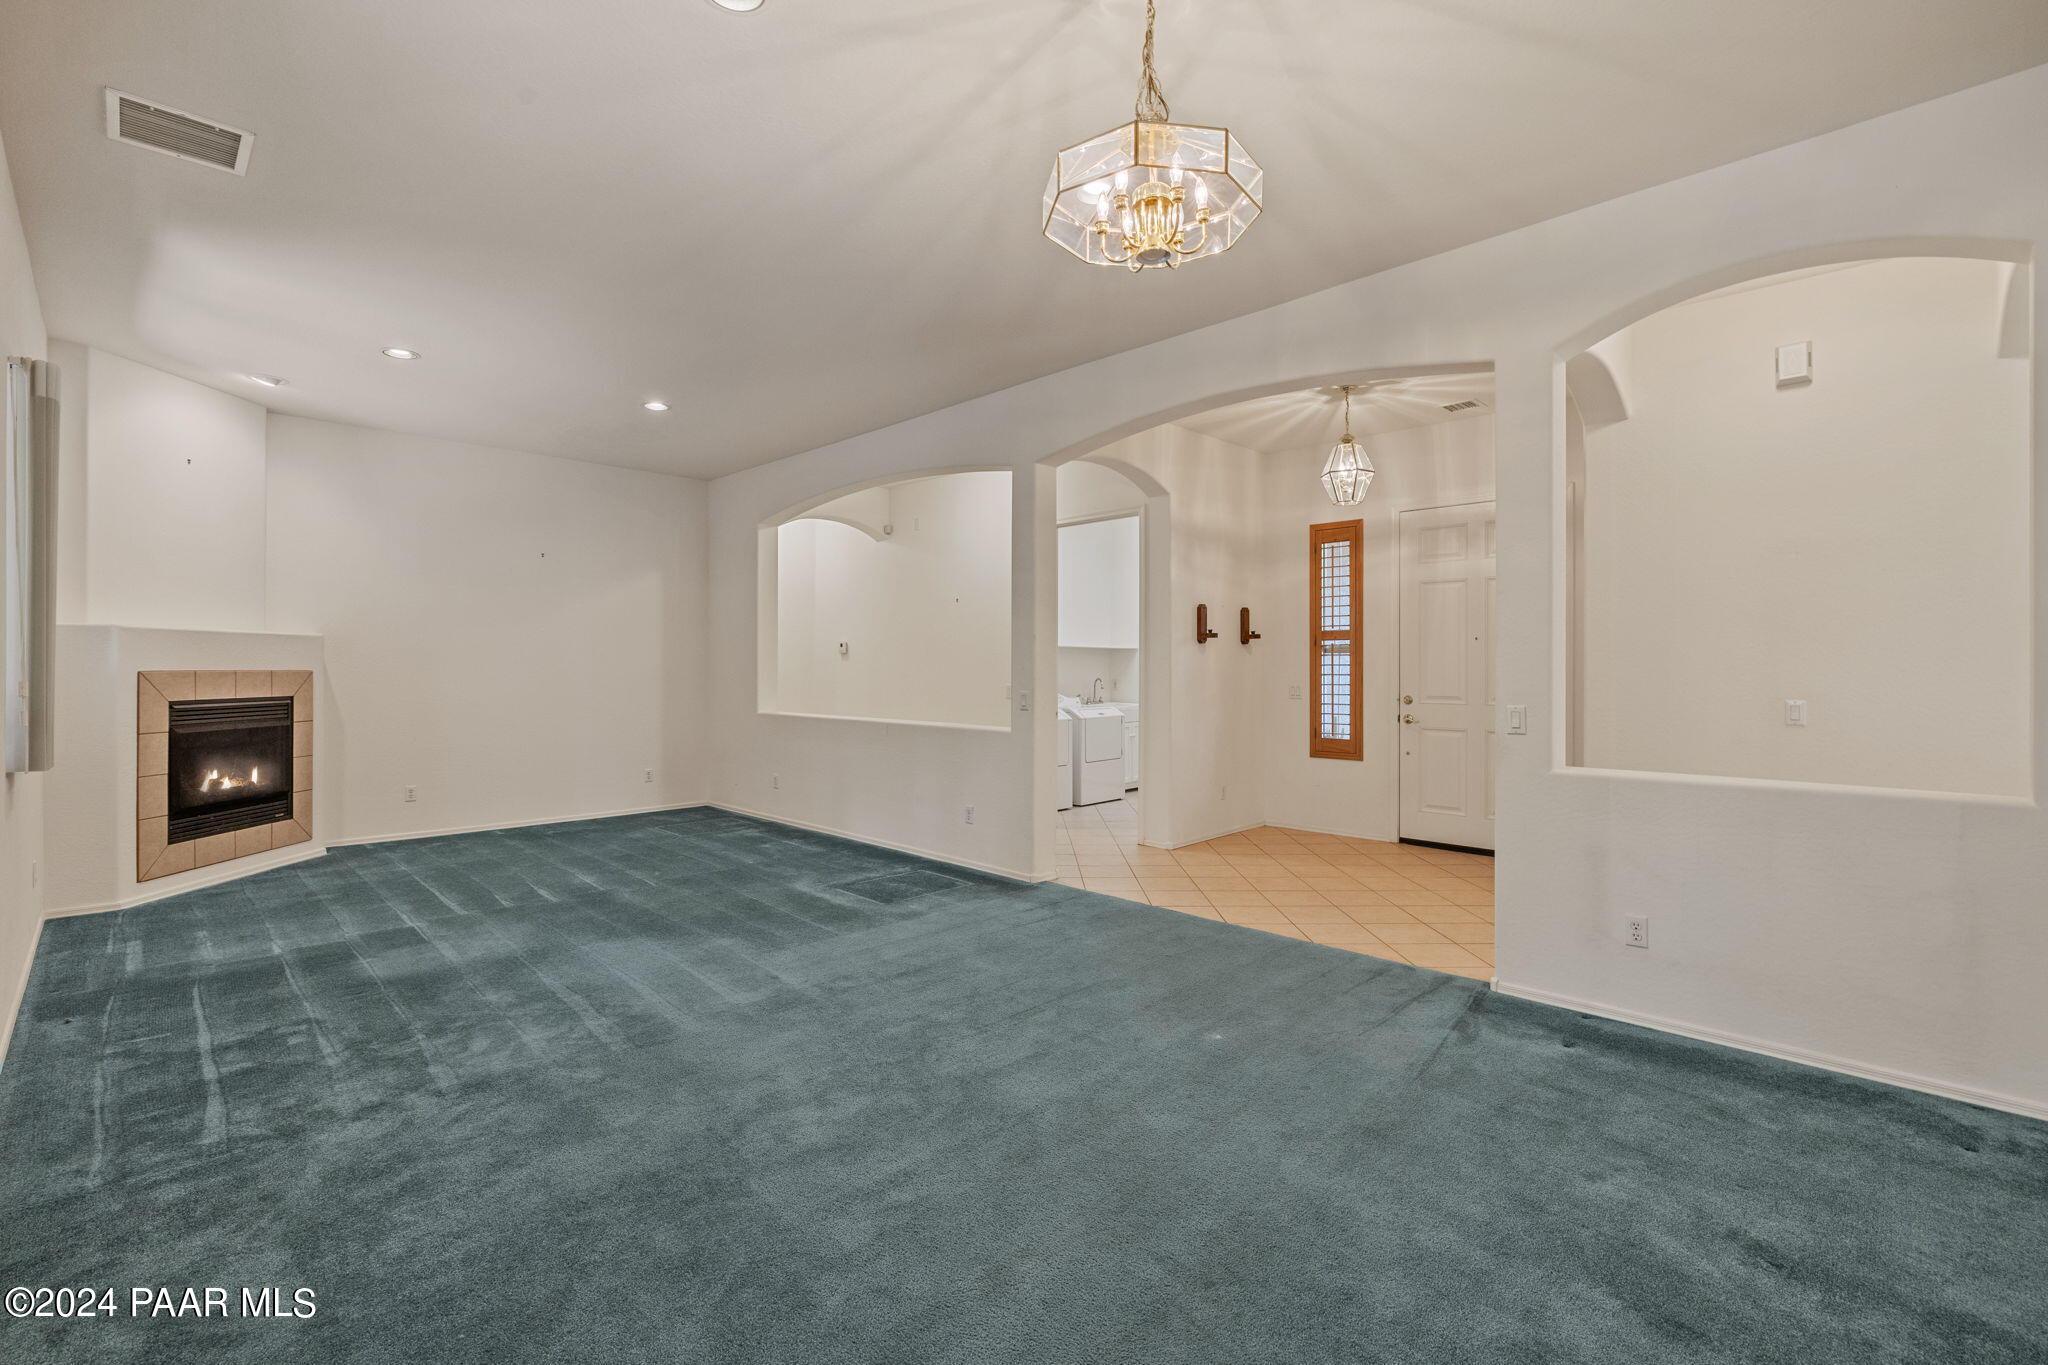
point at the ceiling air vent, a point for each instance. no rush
(1466, 406)
(142, 124)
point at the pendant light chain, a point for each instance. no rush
(1151, 99)
(1347, 414)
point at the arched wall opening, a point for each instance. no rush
(1110, 630)
(1225, 722)
(1803, 553)
(891, 601)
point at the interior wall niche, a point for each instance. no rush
(893, 603)
(1801, 545)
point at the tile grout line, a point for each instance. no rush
(1427, 907)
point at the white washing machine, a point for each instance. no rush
(1098, 751)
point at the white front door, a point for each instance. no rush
(1446, 702)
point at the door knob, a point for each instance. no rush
(1407, 720)
(1407, 701)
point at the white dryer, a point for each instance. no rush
(1098, 752)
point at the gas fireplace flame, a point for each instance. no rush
(215, 782)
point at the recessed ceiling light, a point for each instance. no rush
(268, 381)
(655, 405)
(400, 353)
(739, 6)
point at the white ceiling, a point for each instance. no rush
(822, 217)
(1315, 417)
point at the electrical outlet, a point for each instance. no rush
(1637, 931)
(647, 774)
(970, 815)
(412, 793)
(1294, 692)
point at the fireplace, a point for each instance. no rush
(223, 766)
(231, 765)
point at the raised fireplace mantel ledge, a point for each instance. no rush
(100, 850)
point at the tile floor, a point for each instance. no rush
(1421, 905)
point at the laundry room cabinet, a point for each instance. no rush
(1099, 584)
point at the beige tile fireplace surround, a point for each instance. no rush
(155, 690)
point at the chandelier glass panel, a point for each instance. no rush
(1152, 193)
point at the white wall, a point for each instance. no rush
(1898, 934)
(518, 637)
(1121, 671)
(1861, 543)
(1084, 489)
(924, 611)
(21, 794)
(1430, 466)
(165, 513)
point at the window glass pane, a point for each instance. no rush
(1333, 689)
(1334, 591)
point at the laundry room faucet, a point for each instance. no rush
(1096, 695)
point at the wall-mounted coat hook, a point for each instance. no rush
(1245, 633)
(1203, 635)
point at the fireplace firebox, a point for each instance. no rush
(223, 766)
(230, 765)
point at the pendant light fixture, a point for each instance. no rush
(1348, 472)
(1151, 193)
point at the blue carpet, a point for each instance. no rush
(688, 1087)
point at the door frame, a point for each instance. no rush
(1150, 826)
(1401, 623)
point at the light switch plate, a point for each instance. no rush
(1795, 364)
(1518, 720)
(1795, 713)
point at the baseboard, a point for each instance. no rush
(1340, 833)
(227, 872)
(1219, 834)
(18, 993)
(1905, 1080)
(403, 835)
(890, 844)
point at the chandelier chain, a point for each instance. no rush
(1151, 99)
(1347, 412)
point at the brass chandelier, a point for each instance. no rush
(1348, 472)
(1151, 193)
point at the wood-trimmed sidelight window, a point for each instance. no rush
(1334, 640)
